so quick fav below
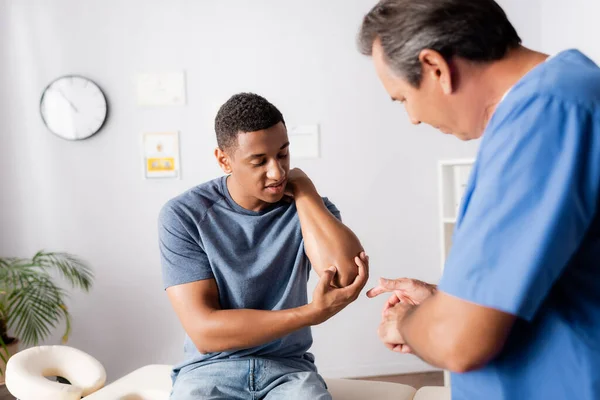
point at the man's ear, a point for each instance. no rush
(223, 160)
(436, 69)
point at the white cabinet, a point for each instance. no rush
(453, 179)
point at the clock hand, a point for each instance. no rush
(68, 101)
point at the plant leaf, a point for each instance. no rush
(35, 309)
(76, 271)
(4, 355)
(31, 303)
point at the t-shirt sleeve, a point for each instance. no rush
(332, 208)
(529, 207)
(183, 259)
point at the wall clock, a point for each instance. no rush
(73, 107)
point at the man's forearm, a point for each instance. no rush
(423, 332)
(454, 334)
(327, 241)
(223, 330)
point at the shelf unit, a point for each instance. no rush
(453, 178)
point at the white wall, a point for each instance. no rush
(88, 197)
(572, 24)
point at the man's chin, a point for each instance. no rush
(278, 199)
(274, 198)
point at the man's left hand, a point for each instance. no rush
(296, 180)
(389, 329)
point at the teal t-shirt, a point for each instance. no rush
(256, 258)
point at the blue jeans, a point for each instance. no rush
(251, 379)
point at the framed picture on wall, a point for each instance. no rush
(161, 155)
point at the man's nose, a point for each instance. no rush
(275, 171)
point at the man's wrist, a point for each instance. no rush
(308, 315)
(303, 187)
(404, 322)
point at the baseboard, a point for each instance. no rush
(368, 370)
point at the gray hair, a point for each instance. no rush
(476, 30)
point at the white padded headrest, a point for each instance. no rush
(26, 372)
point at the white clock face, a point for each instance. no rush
(73, 107)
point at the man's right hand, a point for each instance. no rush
(405, 290)
(328, 300)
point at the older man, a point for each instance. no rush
(517, 311)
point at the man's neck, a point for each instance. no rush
(247, 202)
(500, 76)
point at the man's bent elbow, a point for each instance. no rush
(461, 361)
(346, 276)
(462, 365)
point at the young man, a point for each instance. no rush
(234, 255)
(517, 312)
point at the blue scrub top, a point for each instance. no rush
(527, 240)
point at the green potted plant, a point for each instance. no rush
(32, 302)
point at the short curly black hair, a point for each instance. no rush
(244, 112)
